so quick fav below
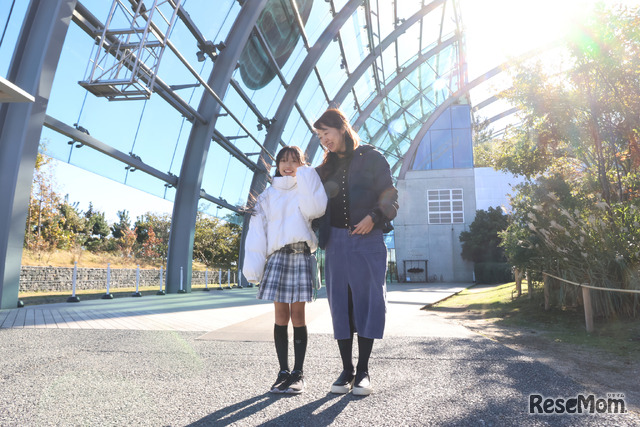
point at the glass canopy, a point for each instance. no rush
(388, 65)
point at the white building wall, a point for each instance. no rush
(416, 239)
(493, 188)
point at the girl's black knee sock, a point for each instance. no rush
(346, 349)
(281, 339)
(299, 346)
(365, 345)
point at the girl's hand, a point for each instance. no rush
(364, 226)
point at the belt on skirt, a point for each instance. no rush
(289, 249)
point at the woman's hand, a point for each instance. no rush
(364, 226)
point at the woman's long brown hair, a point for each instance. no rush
(334, 118)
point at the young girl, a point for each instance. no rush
(277, 255)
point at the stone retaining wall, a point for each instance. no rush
(61, 278)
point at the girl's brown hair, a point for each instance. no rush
(289, 150)
(334, 118)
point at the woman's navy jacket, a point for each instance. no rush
(370, 189)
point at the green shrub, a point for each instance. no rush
(493, 272)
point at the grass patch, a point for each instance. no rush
(499, 304)
(53, 297)
(87, 259)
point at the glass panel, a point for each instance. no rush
(348, 105)
(382, 21)
(462, 148)
(318, 20)
(353, 40)
(329, 67)
(290, 68)
(266, 99)
(408, 88)
(365, 88)
(387, 64)
(441, 154)
(236, 183)
(423, 156)
(443, 122)
(11, 31)
(384, 141)
(431, 26)
(460, 117)
(408, 43)
(296, 131)
(310, 91)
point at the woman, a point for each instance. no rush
(362, 201)
(277, 255)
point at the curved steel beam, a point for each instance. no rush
(188, 191)
(504, 114)
(376, 52)
(397, 80)
(33, 67)
(362, 118)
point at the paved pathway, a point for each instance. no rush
(207, 359)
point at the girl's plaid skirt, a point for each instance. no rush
(287, 276)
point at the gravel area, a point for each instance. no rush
(162, 378)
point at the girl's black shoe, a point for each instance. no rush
(281, 383)
(295, 382)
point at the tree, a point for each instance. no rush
(72, 223)
(582, 123)
(127, 242)
(160, 224)
(97, 229)
(42, 232)
(152, 248)
(124, 223)
(482, 242)
(216, 242)
(578, 214)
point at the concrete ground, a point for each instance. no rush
(207, 358)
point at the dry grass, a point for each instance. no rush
(86, 259)
(496, 304)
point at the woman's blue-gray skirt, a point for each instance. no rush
(358, 262)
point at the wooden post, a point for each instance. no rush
(518, 275)
(547, 285)
(588, 310)
(529, 285)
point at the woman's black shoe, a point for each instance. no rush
(362, 384)
(344, 383)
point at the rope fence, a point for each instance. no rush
(586, 296)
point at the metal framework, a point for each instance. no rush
(125, 67)
(126, 52)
